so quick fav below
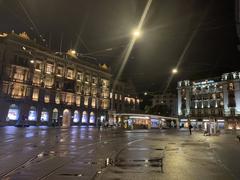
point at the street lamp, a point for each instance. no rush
(136, 33)
(174, 71)
(73, 52)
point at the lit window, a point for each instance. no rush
(76, 117)
(78, 100)
(35, 94)
(60, 71)
(49, 68)
(47, 98)
(92, 118)
(84, 117)
(93, 102)
(69, 99)
(57, 98)
(86, 101)
(36, 79)
(48, 82)
(19, 74)
(13, 113)
(79, 76)
(70, 74)
(44, 115)
(94, 80)
(38, 66)
(32, 115)
(18, 91)
(111, 95)
(116, 96)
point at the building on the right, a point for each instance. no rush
(213, 100)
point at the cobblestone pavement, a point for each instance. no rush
(87, 153)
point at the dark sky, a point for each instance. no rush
(92, 25)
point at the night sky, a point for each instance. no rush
(96, 25)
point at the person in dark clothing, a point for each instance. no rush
(190, 128)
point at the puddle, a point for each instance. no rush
(128, 163)
(70, 174)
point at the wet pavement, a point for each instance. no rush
(87, 153)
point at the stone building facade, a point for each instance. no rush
(214, 99)
(42, 88)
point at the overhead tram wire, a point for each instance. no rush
(189, 43)
(129, 48)
(29, 18)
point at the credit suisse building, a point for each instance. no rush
(43, 88)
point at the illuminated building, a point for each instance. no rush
(47, 89)
(123, 99)
(212, 100)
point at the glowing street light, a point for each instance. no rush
(73, 52)
(31, 61)
(136, 33)
(145, 93)
(174, 71)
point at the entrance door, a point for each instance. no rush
(66, 118)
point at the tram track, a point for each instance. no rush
(28, 162)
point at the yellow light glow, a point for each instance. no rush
(174, 71)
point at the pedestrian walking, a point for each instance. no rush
(190, 128)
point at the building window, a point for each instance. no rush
(84, 117)
(18, 91)
(44, 115)
(49, 68)
(35, 94)
(47, 98)
(78, 89)
(78, 100)
(92, 118)
(38, 66)
(105, 104)
(79, 76)
(86, 90)
(94, 91)
(19, 74)
(69, 99)
(70, 74)
(94, 80)
(57, 98)
(87, 78)
(36, 79)
(13, 113)
(60, 71)
(76, 117)
(32, 115)
(55, 114)
(105, 83)
(86, 100)
(48, 82)
(93, 102)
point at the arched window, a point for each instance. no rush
(13, 112)
(55, 114)
(76, 117)
(84, 117)
(44, 115)
(92, 118)
(66, 118)
(32, 115)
